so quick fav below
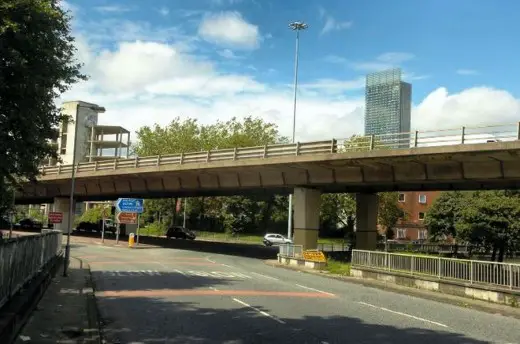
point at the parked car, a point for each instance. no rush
(178, 232)
(97, 227)
(30, 224)
(275, 239)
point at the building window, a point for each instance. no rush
(422, 234)
(401, 197)
(421, 216)
(401, 233)
(422, 199)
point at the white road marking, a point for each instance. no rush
(227, 266)
(265, 276)
(259, 311)
(182, 273)
(213, 288)
(403, 314)
(319, 291)
(210, 260)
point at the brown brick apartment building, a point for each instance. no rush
(415, 205)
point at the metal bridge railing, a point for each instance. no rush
(414, 139)
(470, 271)
(291, 251)
(22, 258)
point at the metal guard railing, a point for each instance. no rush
(464, 135)
(291, 251)
(22, 258)
(504, 275)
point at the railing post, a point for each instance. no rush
(369, 259)
(416, 139)
(510, 276)
(136, 162)
(59, 169)
(265, 151)
(387, 261)
(235, 153)
(372, 143)
(208, 154)
(471, 272)
(181, 161)
(297, 152)
(95, 165)
(518, 131)
(115, 164)
(412, 265)
(43, 170)
(334, 146)
(463, 135)
(439, 268)
(158, 160)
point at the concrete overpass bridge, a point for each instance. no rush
(466, 159)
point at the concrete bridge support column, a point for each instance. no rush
(306, 217)
(61, 205)
(366, 221)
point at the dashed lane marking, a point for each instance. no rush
(319, 291)
(403, 314)
(259, 311)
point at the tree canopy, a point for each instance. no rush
(486, 219)
(37, 64)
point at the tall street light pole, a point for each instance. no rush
(73, 177)
(295, 26)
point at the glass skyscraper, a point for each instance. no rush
(387, 104)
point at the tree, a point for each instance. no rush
(232, 214)
(442, 216)
(337, 213)
(389, 212)
(37, 64)
(490, 219)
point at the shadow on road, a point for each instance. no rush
(149, 320)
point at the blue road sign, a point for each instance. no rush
(130, 205)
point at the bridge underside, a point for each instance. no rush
(489, 169)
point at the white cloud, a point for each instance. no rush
(113, 9)
(331, 24)
(228, 54)
(383, 61)
(467, 72)
(164, 11)
(471, 107)
(229, 29)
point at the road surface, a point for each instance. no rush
(165, 295)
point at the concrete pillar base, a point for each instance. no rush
(306, 217)
(62, 205)
(366, 221)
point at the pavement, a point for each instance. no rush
(172, 295)
(67, 311)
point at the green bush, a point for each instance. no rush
(154, 229)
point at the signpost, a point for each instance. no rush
(129, 210)
(127, 218)
(130, 205)
(55, 217)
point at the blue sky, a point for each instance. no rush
(213, 59)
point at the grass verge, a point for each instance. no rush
(337, 267)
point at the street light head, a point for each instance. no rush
(298, 25)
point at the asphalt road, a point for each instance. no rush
(168, 295)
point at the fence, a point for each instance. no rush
(470, 271)
(464, 135)
(22, 258)
(291, 251)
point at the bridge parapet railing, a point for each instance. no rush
(415, 139)
(22, 258)
(505, 275)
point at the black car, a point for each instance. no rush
(30, 224)
(180, 233)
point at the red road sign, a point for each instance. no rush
(127, 218)
(55, 217)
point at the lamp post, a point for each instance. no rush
(88, 122)
(295, 26)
